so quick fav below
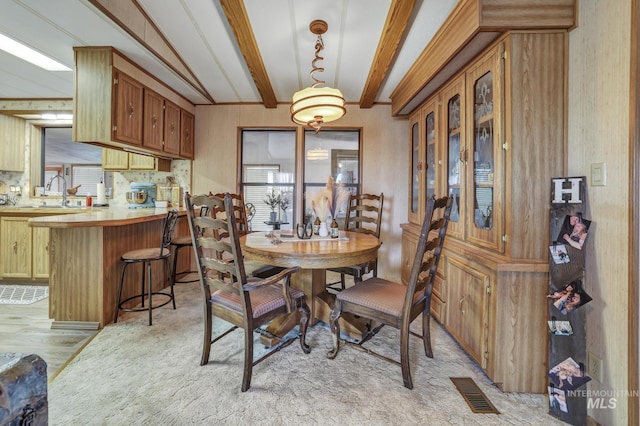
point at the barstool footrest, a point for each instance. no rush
(185, 273)
(145, 308)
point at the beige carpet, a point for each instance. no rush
(135, 374)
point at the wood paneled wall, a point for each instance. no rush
(598, 131)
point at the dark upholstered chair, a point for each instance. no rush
(390, 303)
(146, 257)
(364, 214)
(232, 295)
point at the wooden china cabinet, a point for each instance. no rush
(492, 137)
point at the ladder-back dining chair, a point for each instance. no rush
(146, 256)
(391, 303)
(242, 223)
(230, 293)
(363, 214)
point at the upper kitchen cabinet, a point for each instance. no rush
(116, 160)
(187, 123)
(127, 109)
(12, 137)
(119, 105)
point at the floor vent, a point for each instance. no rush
(477, 400)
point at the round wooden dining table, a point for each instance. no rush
(313, 256)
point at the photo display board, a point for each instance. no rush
(569, 230)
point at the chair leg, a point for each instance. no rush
(304, 322)
(342, 282)
(404, 357)
(426, 332)
(148, 265)
(171, 282)
(336, 312)
(248, 357)
(206, 347)
(124, 267)
(142, 290)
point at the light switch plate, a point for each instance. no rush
(598, 174)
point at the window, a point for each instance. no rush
(268, 164)
(79, 163)
(268, 160)
(331, 153)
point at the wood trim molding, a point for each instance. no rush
(394, 28)
(633, 327)
(468, 20)
(241, 27)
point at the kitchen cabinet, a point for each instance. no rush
(467, 314)
(172, 128)
(495, 151)
(24, 252)
(12, 140)
(187, 126)
(153, 123)
(113, 159)
(15, 248)
(119, 105)
(161, 124)
(127, 109)
(40, 251)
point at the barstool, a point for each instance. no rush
(147, 256)
(178, 243)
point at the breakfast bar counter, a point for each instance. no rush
(85, 265)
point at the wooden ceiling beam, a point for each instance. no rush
(393, 31)
(241, 27)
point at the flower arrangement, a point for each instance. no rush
(273, 200)
(329, 199)
(284, 203)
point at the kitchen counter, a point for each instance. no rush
(85, 264)
(87, 217)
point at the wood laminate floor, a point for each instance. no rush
(27, 329)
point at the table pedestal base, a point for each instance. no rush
(313, 283)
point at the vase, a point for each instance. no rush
(273, 217)
(323, 231)
(283, 218)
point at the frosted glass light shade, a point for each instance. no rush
(317, 105)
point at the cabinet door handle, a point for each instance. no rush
(154, 121)
(419, 167)
(130, 110)
(463, 156)
(15, 247)
(460, 305)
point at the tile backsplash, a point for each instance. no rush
(180, 171)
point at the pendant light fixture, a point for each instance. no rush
(314, 106)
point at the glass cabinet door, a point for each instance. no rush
(485, 226)
(483, 161)
(431, 175)
(416, 169)
(455, 148)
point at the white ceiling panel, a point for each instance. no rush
(199, 33)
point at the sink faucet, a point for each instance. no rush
(64, 187)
